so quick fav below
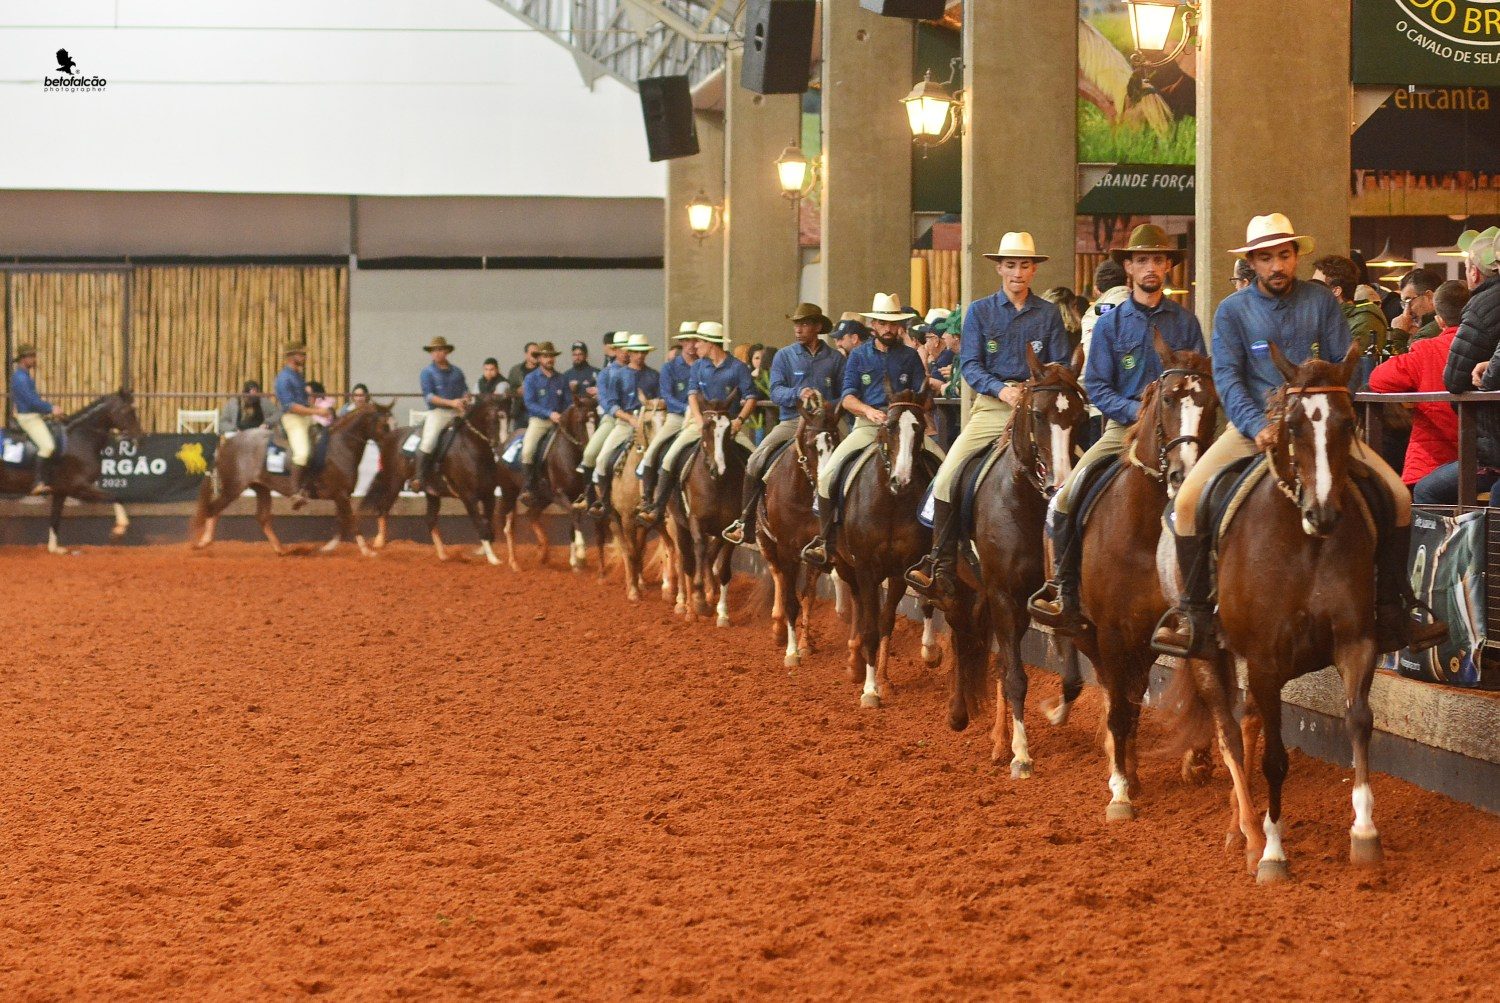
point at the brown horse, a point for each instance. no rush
(786, 523)
(1120, 592)
(704, 505)
(1296, 571)
(240, 464)
(76, 465)
(1010, 507)
(562, 481)
(882, 537)
(625, 495)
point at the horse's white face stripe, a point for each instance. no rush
(721, 435)
(1192, 417)
(823, 444)
(1063, 403)
(1062, 456)
(1315, 406)
(909, 430)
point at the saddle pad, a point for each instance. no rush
(1225, 502)
(1099, 478)
(412, 441)
(510, 453)
(975, 469)
(277, 459)
(843, 478)
(16, 449)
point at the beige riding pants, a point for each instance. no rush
(536, 428)
(987, 420)
(437, 419)
(663, 440)
(1233, 444)
(785, 431)
(859, 437)
(1111, 443)
(35, 427)
(596, 441)
(623, 432)
(298, 428)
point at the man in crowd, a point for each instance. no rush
(1434, 427)
(545, 394)
(489, 379)
(1417, 319)
(1471, 361)
(1244, 275)
(517, 377)
(633, 382)
(676, 373)
(1109, 292)
(251, 409)
(1367, 323)
(849, 333)
(33, 413)
(582, 375)
(615, 358)
(297, 414)
(445, 391)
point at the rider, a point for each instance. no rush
(545, 393)
(1304, 320)
(992, 357)
(713, 376)
(297, 414)
(675, 374)
(614, 360)
(881, 362)
(1122, 362)
(632, 382)
(33, 413)
(806, 367)
(445, 390)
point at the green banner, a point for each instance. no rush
(1141, 190)
(1426, 42)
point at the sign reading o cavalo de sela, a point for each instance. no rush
(1426, 42)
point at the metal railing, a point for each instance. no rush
(1466, 405)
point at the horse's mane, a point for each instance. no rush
(90, 412)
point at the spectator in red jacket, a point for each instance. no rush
(1434, 429)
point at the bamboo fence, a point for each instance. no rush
(77, 322)
(940, 271)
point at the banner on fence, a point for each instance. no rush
(1447, 565)
(157, 468)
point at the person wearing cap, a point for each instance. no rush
(849, 333)
(297, 414)
(713, 377)
(614, 360)
(445, 391)
(581, 375)
(633, 383)
(992, 356)
(1121, 363)
(249, 409)
(873, 372)
(676, 373)
(1304, 321)
(1474, 359)
(33, 413)
(798, 372)
(545, 394)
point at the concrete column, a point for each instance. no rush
(694, 268)
(1262, 148)
(762, 264)
(866, 208)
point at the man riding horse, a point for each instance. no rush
(873, 372)
(1303, 320)
(1122, 362)
(633, 383)
(297, 414)
(615, 360)
(444, 389)
(992, 357)
(675, 375)
(805, 369)
(545, 393)
(33, 415)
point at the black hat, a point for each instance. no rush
(579, 346)
(844, 327)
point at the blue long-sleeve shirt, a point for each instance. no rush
(545, 394)
(291, 388)
(23, 393)
(582, 376)
(447, 383)
(795, 369)
(1122, 354)
(868, 368)
(713, 383)
(992, 350)
(1306, 323)
(630, 383)
(604, 386)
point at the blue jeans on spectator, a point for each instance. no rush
(1441, 486)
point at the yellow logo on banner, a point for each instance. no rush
(191, 455)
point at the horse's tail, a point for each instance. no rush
(1188, 718)
(971, 639)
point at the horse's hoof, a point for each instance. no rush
(1120, 811)
(958, 720)
(869, 700)
(791, 661)
(1020, 770)
(679, 609)
(722, 621)
(932, 654)
(1269, 872)
(1365, 851)
(1056, 712)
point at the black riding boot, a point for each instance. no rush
(533, 489)
(299, 491)
(743, 528)
(46, 473)
(819, 550)
(936, 575)
(1056, 603)
(600, 507)
(650, 511)
(589, 497)
(1190, 629)
(418, 472)
(648, 484)
(1395, 627)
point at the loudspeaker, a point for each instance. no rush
(778, 46)
(925, 10)
(667, 106)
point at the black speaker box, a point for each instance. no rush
(667, 106)
(778, 46)
(925, 10)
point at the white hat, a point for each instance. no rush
(1017, 244)
(639, 343)
(687, 327)
(1270, 230)
(621, 339)
(887, 306)
(936, 314)
(711, 331)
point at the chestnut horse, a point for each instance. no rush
(625, 495)
(786, 523)
(562, 481)
(240, 464)
(1296, 573)
(1120, 591)
(707, 502)
(1010, 507)
(76, 464)
(881, 537)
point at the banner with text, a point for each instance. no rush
(1426, 42)
(157, 468)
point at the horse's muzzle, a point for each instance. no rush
(1320, 520)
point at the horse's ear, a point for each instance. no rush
(387, 408)
(1033, 363)
(1283, 364)
(1347, 367)
(125, 394)
(1163, 350)
(732, 399)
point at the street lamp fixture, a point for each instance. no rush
(704, 216)
(1151, 24)
(933, 111)
(1388, 259)
(798, 175)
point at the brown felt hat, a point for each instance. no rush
(295, 348)
(438, 342)
(545, 348)
(1148, 238)
(811, 311)
(23, 351)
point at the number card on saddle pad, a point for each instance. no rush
(16, 449)
(279, 457)
(1447, 564)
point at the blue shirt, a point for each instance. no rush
(630, 383)
(448, 383)
(795, 369)
(1122, 355)
(992, 350)
(582, 377)
(290, 388)
(604, 383)
(713, 383)
(545, 394)
(23, 393)
(675, 376)
(944, 358)
(1306, 323)
(868, 369)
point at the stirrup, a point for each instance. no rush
(922, 576)
(647, 518)
(816, 552)
(1183, 633)
(1049, 608)
(1395, 629)
(581, 503)
(734, 533)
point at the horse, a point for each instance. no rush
(563, 482)
(467, 472)
(240, 464)
(706, 502)
(76, 465)
(786, 523)
(1296, 593)
(1119, 590)
(881, 537)
(625, 495)
(1010, 507)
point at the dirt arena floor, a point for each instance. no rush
(235, 776)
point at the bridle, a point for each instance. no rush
(1164, 446)
(468, 422)
(1035, 472)
(1287, 479)
(884, 439)
(805, 462)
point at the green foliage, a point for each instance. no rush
(1099, 142)
(1116, 28)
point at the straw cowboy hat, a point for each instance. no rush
(639, 343)
(621, 339)
(438, 342)
(1148, 238)
(887, 306)
(295, 348)
(546, 348)
(687, 327)
(811, 311)
(24, 351)
(711, 331)
(1017, 244)
(936, 315)
(1272, 229)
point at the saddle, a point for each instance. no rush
(279, 453)
(1226, 493)
(965, 488)
(615, 461)
(1092, 482)
(775, 458)
(841, 480)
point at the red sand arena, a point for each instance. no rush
(231, 775)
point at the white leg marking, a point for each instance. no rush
(1019, 749)
(122, 520)
(1364, 812)
(364, 546)
(870, 697)
(840, 595)
(330, 546)
(1273, 841)
(723, 609)
(793, 655)
(52, 547)
(1119, 788)
(489, 552)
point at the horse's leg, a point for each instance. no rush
(382, 525)
(434, 504)
(895, 591)
(482, 516)
(867, 628)
(1064, 651)
(1356, 664)
(700, 570)
(122, 521)
(780, 585)
(840, 594)
(214, 506)
(54, 524)
(578, 550)
(543, 547)
(1136, 676)
(344, 516)
(1267, 694)
(855, 668)
(508, 527)
(931, 653)
(1012, 688)
(263, 516)
(805, 587)
(1214, 682)
(724, 570)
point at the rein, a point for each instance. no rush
(885, 439)
(1287, 479)
(1164, 445)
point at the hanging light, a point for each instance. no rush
(704, 215)
(933, 112)
(1388, 259)
(798, 175)
(1151, 23)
